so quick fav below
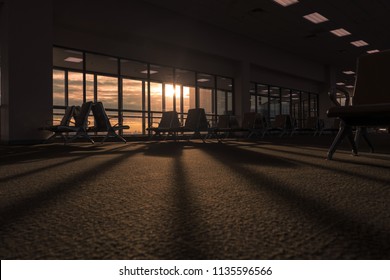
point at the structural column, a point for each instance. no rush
(242, 84)
(26, 70)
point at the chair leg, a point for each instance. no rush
(49, 138)
(362, 132)
(120, 137)
(351, 140)
(344, 130)
(113, 133)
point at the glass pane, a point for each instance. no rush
(263, 90)
(230, 103)
(252, 88)
(161, 74)
(313, 105)
(67, 58)
(58, 88)
(296, 107)
(188, 98)
(274, 102)
(262, 106)
(185, 77)
(135, 122)
(221, 102)
(169, 96)
(305, 105)
(205, 81)
(90, 90)
(224, 83)
(253, 103)
(132, 94)
(178, 98)
(107, 91)
(57, 116)
(155, 118)
(134, 69)
(75, 88)
(206, 100)
(155, 97)
(263, 100)
(286, 101)
(101, 64)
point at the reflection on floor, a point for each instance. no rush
(277, 198)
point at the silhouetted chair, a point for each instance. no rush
(371, 100)
(282, 124)
(225, 125)
(102, 123)
(65, 121)
(311, 125)
(361, 132)
(253, 124)
(80, 126)
(81, 123)
(168, 124)
(196, 122)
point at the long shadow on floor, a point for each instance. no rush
(370, 241)
(26, 206)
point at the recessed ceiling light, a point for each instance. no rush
(340, 84)
(316, 18)
(341, 32)
(151, 72)
(359, 43)
(73, 59)
(203, 80)
(286, 3)
(373, 51)
(349, 86)
(348, 72)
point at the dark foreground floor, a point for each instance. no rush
(185, 200)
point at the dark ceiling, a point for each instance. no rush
(285, 27)
(265, 21)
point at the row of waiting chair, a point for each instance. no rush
(253, 124)
(80, 127)
(257, 125)
(195, 123)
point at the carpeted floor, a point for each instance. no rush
(271, 199)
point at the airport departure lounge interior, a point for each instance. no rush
(204, 129)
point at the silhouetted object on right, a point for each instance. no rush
(371, 101)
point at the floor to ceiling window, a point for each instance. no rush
(135, 93)
(271, 101)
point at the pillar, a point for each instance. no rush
(241, 87)
(26, 70)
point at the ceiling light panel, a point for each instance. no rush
(341, 32)
(359, 43)
(73, 59)
(372, 51)
(348, 72)
(151, 72)
(286, 3)
(315, 18)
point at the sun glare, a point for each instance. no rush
(169, 91)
